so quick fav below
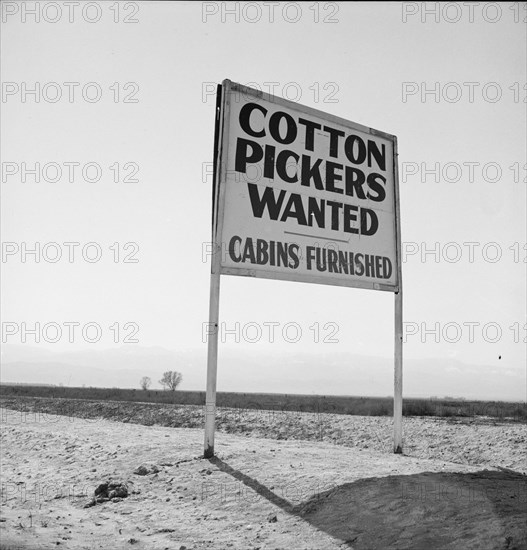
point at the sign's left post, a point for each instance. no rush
(218, 199)
(212, 363)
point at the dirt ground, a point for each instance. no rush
(464, 489)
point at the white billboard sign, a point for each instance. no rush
(303, 195)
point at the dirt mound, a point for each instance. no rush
(432, 510)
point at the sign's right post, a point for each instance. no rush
(398, 322)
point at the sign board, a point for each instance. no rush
(303, 195)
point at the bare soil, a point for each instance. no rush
(278, 482)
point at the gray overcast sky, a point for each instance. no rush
(366, 62)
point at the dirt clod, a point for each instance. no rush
(146, 469)
(109, 490)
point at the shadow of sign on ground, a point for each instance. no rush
(484, 509)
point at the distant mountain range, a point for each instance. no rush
(247, 370)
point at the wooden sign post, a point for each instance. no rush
(212, 364)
